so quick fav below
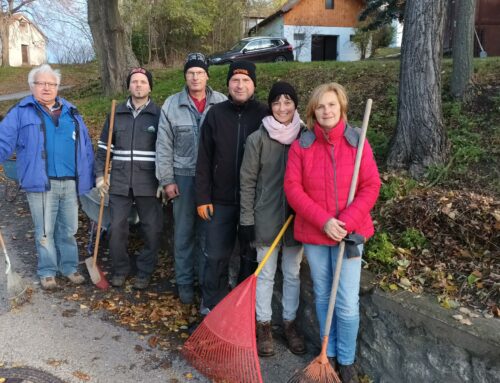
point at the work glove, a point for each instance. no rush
(246, 233)
(206, 211)
(160, 193)
(102, 187)
(351, 245)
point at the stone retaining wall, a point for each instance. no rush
(408, 338)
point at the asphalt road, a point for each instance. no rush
(60, 337)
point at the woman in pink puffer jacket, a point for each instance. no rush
(317, 180)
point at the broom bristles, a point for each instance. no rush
(316, 372)
(223, 347)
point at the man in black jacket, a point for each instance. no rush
(223, 136)
(132, 179)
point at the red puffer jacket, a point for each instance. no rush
(318, 178)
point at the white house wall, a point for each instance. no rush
(31, 37)
(273, 28)
(302, 49)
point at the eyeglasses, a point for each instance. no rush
(195, 74)
(50, 85)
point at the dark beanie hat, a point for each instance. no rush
(242, 67)
(145, 72)
(279, 88)
(196, 60)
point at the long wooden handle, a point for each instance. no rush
(274, 244)
(340, 255)
(7, 260)
(105, 180)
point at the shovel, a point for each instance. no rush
(96, 274)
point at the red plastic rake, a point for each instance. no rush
(223, 347)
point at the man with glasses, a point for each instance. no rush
(176, 153)
(132, 179)
(55, 162)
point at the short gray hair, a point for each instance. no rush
(44, 68)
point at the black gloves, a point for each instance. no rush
(351, 245)
(246, 233)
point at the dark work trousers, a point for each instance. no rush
(221, 233)
(151, 218)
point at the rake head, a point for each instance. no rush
(318, 371)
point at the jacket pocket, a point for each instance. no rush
(184, 143)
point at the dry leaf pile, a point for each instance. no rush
(460, 261)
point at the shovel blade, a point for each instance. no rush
(96, 275)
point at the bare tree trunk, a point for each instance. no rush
(463, 48)
(4, 34)
(420, 140)
(111, 44)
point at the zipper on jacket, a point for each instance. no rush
(236, 189)
(77, 139)
(44, 133)
(132, 152)
(335, 183)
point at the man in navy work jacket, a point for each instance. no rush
(132, 179)
(54, 164)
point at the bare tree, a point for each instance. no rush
(463, 48)
(112, 47)
(420, 140)
(8, 8)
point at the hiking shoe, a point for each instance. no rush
(76, 278)
(348, 374)
(186, 293)
(48, 283)
(204, 310)
(118, 280)
(141, 283)
(265, 346)
(294, 340)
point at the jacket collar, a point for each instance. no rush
(331, 137)
(236, 106)
(30, 100)
(184, 98)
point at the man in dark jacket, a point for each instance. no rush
(55, 163)
(132, 179)
(223, 135)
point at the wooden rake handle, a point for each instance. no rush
(274, 244)
(105, 179)
(340, 255)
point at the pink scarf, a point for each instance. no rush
(284, 134)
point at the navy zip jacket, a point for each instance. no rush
(222, 142)
(23, 131)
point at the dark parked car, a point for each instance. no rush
(256, 49)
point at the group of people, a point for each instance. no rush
(234, 169)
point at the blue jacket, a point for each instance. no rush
(23, 131)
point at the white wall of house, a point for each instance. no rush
(26, 34)
(273, 28)
(302, 47)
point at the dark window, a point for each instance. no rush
(329, 4)
(265, 44)
(277, 43)
(299, 36)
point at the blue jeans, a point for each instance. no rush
(189, 234)
(345, 323)
(290, 266)
(55, 217)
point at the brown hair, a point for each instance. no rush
(317, 93)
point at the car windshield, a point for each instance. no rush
(239, 46)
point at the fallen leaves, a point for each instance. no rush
(81, 376)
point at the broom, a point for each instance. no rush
(96, 274)
(17, 290)
(320, 370)
(224, 347)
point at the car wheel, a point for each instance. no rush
(280, 59)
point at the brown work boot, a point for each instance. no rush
(48, 283)
(348, 374)
(294, 340)
(265, 345)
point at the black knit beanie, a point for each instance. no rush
(196, 60)
(242, 67)
(279, 88)
(145, 72)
